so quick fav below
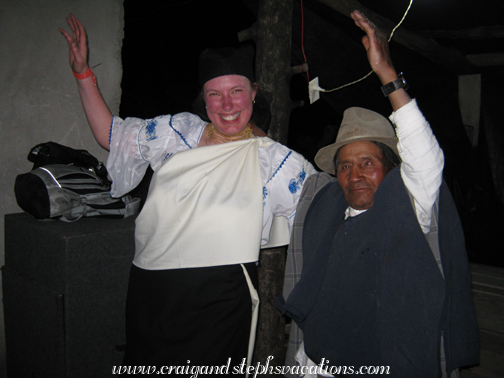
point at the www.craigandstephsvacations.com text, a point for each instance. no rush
(252, 370)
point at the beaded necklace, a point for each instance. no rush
(218, 138)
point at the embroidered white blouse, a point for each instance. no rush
(135, 143)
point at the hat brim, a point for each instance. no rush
(325, 156)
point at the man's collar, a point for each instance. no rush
(351, 212)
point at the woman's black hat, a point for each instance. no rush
(227, 61)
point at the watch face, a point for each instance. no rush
(388, 88)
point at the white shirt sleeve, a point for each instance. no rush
(422, 160)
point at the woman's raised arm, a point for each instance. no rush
(97, 112)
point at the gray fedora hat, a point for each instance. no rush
(358, 124)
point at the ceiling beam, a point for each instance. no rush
(487, 60)
(482, 32)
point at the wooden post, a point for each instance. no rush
(272, 34)
(270, 339)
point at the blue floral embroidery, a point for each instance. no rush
(265, 192)
(302, 176)
(293, 186)
(150, 131)
(295, 183)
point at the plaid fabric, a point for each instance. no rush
(294, 263)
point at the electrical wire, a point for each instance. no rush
(369, 73)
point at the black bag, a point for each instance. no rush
(74, 184)
(53, 153)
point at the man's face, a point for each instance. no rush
(360, 171)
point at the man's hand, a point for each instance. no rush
(376, 45)
(77, 45)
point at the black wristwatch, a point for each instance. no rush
(395, 85)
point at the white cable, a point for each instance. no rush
(367, 75)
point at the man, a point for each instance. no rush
(380, 285)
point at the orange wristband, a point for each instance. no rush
(85, 75)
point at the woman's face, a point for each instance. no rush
(228, 102)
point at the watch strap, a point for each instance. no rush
(395, 85)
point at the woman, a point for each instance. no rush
(207, 214)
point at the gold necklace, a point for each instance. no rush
(218, 138)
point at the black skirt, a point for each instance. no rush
(192, 316)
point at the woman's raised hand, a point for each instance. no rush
(77, 45)
(98, 114)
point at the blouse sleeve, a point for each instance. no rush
(286, 179)
(134, 144)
